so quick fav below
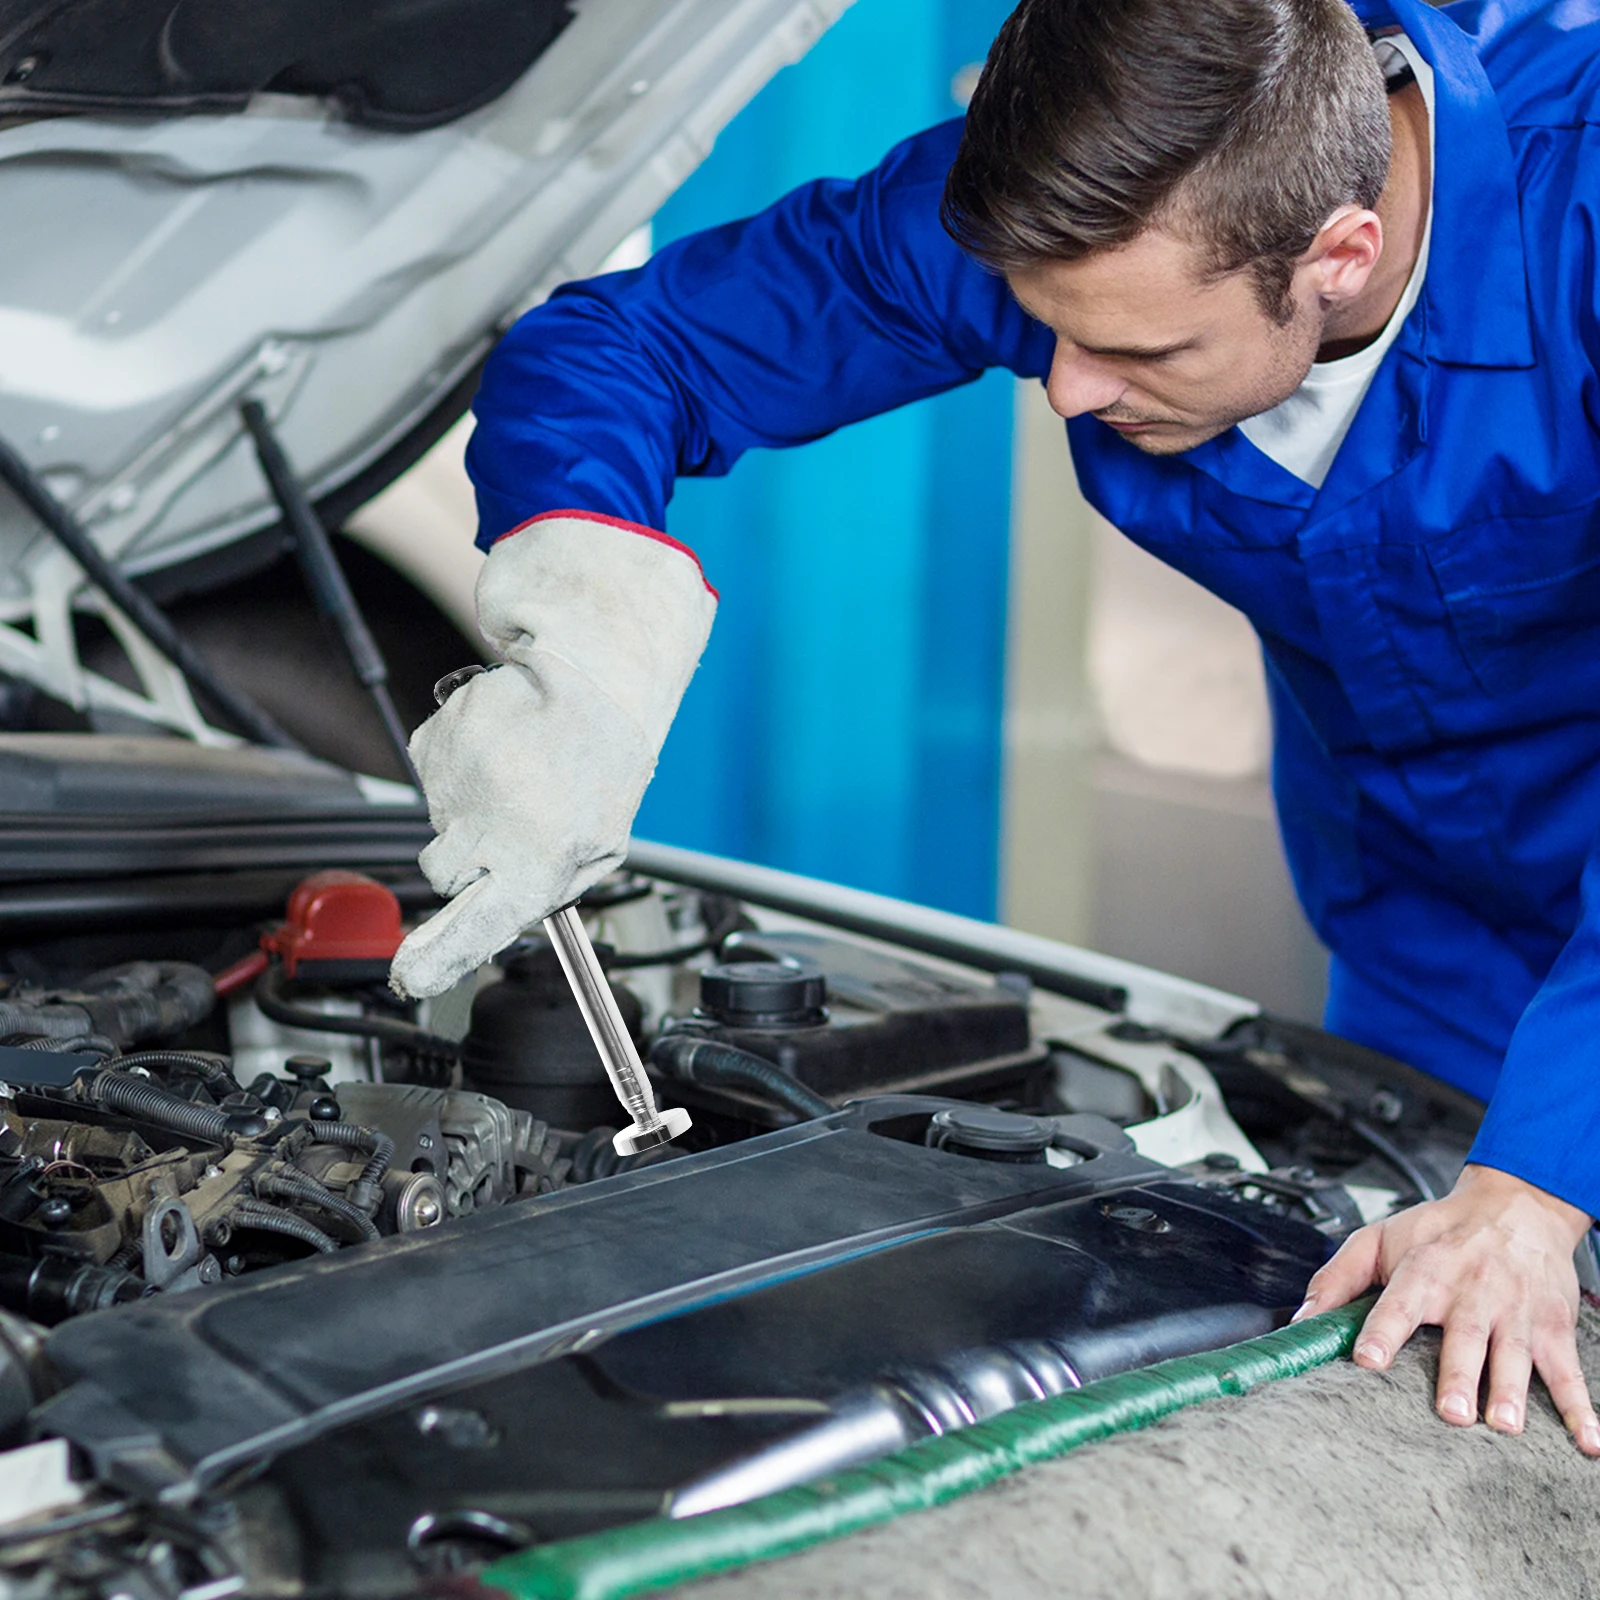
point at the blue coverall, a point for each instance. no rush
(1430, 617)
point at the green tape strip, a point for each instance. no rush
(652, 1555)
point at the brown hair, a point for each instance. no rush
(1242, 124)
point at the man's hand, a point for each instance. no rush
(533, 771)
(1491, 1264)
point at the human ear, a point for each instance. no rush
(1343, 254)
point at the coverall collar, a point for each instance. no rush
(1475, 299)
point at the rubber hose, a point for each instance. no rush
(42, 1020)
(151, 999)
(274, 1003)
(364, 1191)
(66, 1044)
(308, 1192)
(89, 1044)
(1427, 1188)
(595, 1157)
(273, 1219)
(709, 1061)
(135, 1098)
(207, 1068)
(54, 1288)
(139, 1000)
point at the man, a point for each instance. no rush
(1322, 311)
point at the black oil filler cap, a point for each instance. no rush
(765, 994)
(990, 1135)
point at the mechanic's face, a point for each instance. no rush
(1147, 345)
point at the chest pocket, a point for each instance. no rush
(1523, 598)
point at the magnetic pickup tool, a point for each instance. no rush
(564, 929)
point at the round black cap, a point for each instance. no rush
(1000, 1135)
(765, 994)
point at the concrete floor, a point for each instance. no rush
(1339, 1484)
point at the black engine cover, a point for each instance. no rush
(559, 1363)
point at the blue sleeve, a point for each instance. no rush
(843, 300)
(1543, 1122)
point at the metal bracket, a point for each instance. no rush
(173, 1255)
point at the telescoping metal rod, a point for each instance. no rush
(134, 603)
(330, 589)
(651, 1125)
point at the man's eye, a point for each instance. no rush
(1138, 359)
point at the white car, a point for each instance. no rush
(309, 1293)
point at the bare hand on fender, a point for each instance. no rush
(1491, 1264)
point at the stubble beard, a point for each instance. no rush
(1294, 350)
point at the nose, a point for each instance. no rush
(1080, 382)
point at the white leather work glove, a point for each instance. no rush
(533, 771)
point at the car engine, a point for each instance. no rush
(136, 1156)
(263, 1226)
(127, 1171)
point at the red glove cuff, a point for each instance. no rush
(627, 527)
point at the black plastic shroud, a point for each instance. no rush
(567, 1359)
(387, 63)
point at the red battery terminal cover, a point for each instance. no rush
(339, 925)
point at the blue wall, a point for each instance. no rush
(846, 720)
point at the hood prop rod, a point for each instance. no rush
(330, 589)
(134, 603)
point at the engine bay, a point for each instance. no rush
(168, 1127)
(310, 1291)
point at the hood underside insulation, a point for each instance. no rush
(391, 65)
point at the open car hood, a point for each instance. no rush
(334, 209)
